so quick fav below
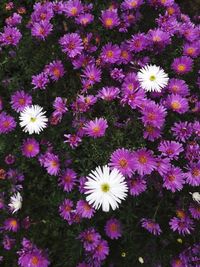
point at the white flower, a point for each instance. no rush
(33, 120)
(141, 260)
(196, 196)
(152, 78)
(105, 187)
(15, 202)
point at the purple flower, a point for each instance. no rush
(182, 131)
(67, 180)
(177, 103)
(41, 29)
(101, 251)
(96, 128)
(182, 65)
(122, 159)
(8, 242)
(14, 20)
(65, 209)
(110, 53)
(90, 239)
(73, 140)
(191, 49)
(163, 165)
(19, 100)
(108, 93)
(183, 224)
(193, 174)
(10, 36)
(11, 224)
(84, 209)
(113, 229)
(92, 74)
(85, 19)
(159, 38)
(51, 163)
(177, 86)
(131, 4)
(151, 226)
(10, 159)
(195, 211)
(143, 161)
(138, 42)
(73, 8)
(30, 148)
(71, 44)
(170, 149)
(110, 18)
(173, 179)
(7, 123)
(40, 81)
(55, 70)
(137, 185)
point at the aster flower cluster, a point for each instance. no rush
(103, 120)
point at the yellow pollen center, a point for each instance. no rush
(113, 227)
(110, 54)
(6, 124)
(171, 177)
(54, 163)
(21, 101)
(180, 214)
(142, 159)
(56, 72)
(175, 105)
(34, 260)
(181, 67)
(123, 163)
(152, 78)
(195, 172)
(74, 11)
(156, 39)
(105, 187)
(108, 22)
(30, 147)
(96, 129)
(190, 50)
(124, 54)
(13, 223)
(133, 3)
(32, 119)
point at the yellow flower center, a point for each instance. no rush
(32, 119)
(108, 22)
(181, 67)
(34, 260)
(152, 78)
(110, 54)
(175, 105)
(105, 187)
(74, 11)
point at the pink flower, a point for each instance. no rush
(96, 128)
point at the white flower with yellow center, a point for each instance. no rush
(106, 188)
(15, 202)
(33, 119)
(152, 78)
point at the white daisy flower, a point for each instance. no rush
(196, 196)
(15, 202)
(105, 187)
(33, 120)
(152, 78)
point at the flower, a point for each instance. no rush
(96, 128)
(143, 161)
(177, 86)
(108, 93)
(137, 185)
(42, 29)
(33, 120)
(7, 123)
(152, 78)
(40, 81)
(193, 174)
(55, 69)
(182, 223)
(101, 251)
(15, 202)
(170, 149)
(122, 159)
(19, 100)
(68, 180)
(113, 229)
(151, 226)
(11, 224)
(177, 103)
(105, 188)
(110, 18)
(110, 53)
(173, 179)
(51, 163)
(182, 65)
(73, 8)
(71, 44)
(10, 36)
(196, 196)
(90, 239)
(30, 148)
(84, 209)
(65, 209)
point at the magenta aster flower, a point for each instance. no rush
(84, 209)
(31, 256)
(110, 18)
(182, 65)
(195, 211)
(73, 8)
(13, 20)
(143, 161)
(173, 179)
(41, 29)
(182, 131)
(151, 133)
(55, 69)
(40, 81)
(66, 209)
(60, 105)
(137, 185)
(42, 12)
(177, 86)
(159, 38)
(101, 251)
(108, 93)
(10, 36)
(132, 4)
(96, 128)
(7, 123)
(90, 239)
(113, 229)
(138, 42)
(153, 114)
(92, 74)
(8, 242)
(177, 103)
(170, 149)
(68, 179)
(178, 263)
(19, 100)
(191, 49)
(71, 44)
(122, 159)
(30, 148)
(85, 19)
(193, 174)
(110, 53)
(51, 163)
(182, 223)
(73, 140)
(163, 165)
(11, 224)
(151, 226)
